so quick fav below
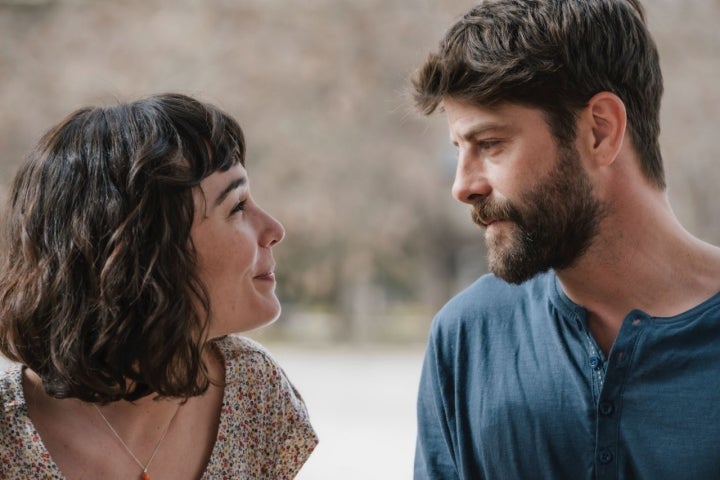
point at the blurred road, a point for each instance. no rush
(362, 404)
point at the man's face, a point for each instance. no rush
(533, 197)
(550, 226)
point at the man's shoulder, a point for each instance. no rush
(490, 298)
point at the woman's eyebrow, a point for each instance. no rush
(238, 182)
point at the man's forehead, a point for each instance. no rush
(467, 119)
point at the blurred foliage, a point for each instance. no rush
(335, 150)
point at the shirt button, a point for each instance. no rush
(607, 408)
(605, 456)
(595, 363)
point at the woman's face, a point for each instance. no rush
(233, 238)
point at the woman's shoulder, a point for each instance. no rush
(11, 395)
(13, 411)
(243, 356)
(20, 447)
(237, 345)
(250, 367)
(262, 407)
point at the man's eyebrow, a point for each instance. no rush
(238, 182)
(480, 130)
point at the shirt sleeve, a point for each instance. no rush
(434, 453)
(298, 437)
(266, 433)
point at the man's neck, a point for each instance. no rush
(643, 259)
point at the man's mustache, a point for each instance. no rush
(487, 211)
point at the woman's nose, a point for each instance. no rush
(273, 231)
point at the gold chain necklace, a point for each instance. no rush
(144, 475)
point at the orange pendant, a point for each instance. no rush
(144, 476)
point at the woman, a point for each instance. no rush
(133, 250)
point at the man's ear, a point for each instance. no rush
(607, 119)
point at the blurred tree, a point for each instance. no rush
(335, 150)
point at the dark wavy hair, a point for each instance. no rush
(99, 291)
(553, 55)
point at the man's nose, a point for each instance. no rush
(470, 182)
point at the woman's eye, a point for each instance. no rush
(238, 207)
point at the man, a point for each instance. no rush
(592, 351)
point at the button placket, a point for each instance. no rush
(596, 362)
(608, 451)
(606, 408)
(605, 456)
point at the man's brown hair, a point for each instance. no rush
(553, 55)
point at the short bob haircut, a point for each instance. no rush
(553, 55)
(99, 290)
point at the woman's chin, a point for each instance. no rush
(263, 317)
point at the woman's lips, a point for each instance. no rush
(267, 276)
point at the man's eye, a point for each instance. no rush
(487, 144)
(238, 207)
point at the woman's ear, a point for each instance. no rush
(607, 119)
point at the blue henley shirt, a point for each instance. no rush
(515, 387)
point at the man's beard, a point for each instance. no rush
(556, 223)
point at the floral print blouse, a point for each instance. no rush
(264, 431)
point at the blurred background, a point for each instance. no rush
(375, 244)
